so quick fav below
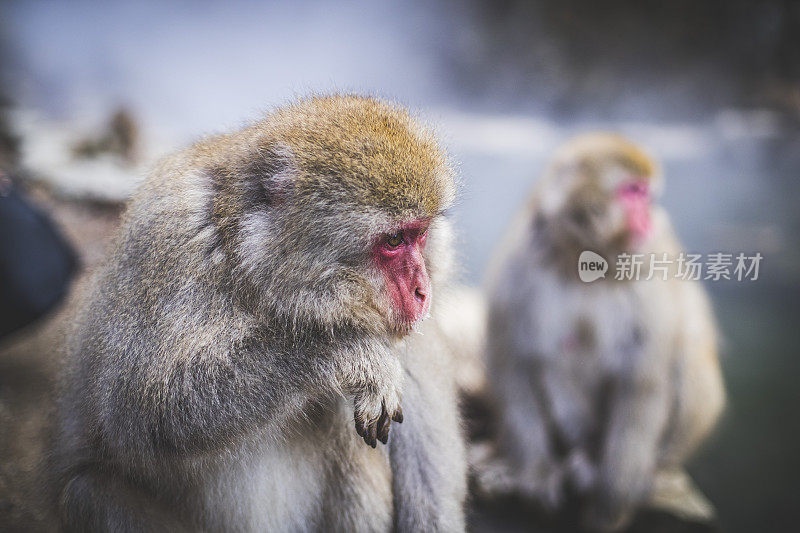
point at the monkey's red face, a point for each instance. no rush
(634, 196)
(398, 255)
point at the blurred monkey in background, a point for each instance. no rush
(250, 339)
(120, 137)
(600, 385)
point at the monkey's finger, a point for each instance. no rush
(383, 427)
(360, 427)
(398, 415)
(383, 430)
(372, 431)
(363, 430)
(383, 424)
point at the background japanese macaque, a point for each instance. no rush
(249, 341)
(604, 388)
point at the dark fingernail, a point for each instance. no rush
(398, 415)
(383, 428)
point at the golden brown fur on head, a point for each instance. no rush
(378, 155)
(595, 152)
(363, 150)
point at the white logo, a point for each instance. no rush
(591, 266)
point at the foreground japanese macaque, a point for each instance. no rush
(247, 344)
(601, 385)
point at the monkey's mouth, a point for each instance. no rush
(404, 327)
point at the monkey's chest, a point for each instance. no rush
(316, 476)
(598, 337)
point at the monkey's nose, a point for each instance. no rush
(420, 295)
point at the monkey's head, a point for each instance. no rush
(599, 191)
(335, 215)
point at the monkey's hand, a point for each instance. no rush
(376, 401)
(541, 484)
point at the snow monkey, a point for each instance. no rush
(249, 341)
(600, 384)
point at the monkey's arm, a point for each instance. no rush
(205, 400)
(636, 421)
(566, 400)
(427, 451)
(536, 363)
(525, 436)
(373, 377)
(201, 392)
(572, 420)
(700, 391)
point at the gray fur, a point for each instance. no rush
(599, 384)
(214, 370)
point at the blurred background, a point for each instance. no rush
(92, 93)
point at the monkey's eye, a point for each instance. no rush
(580, 216)
(394, 240)
(595, 210)
(634, 188)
